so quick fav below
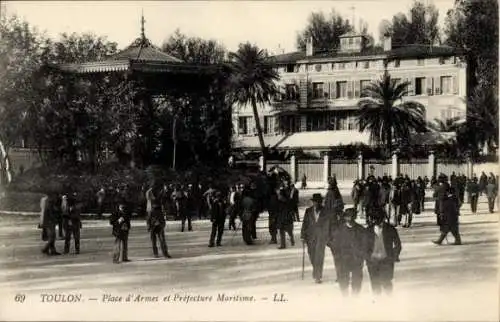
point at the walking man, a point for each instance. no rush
(474, 191)
(48, 220)
(72, 222)
(491, 193)
(218, 218)
(285, 217)
(314, 233)
(384, 247)
(350, 241)
(156, 223)
(249, 211)
(450, 211)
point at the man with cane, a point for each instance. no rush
(314, 235)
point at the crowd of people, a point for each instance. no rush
(384, 202)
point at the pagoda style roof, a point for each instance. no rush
(140, 55)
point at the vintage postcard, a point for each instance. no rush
(249, 160)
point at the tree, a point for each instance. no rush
(252, 81)
(473, 26)
(325, 31)
(447, 125)
(385, 114)
(194, 50)
(419, 26)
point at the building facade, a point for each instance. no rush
(320, 90)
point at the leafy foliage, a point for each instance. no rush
(419, 26)
(194, 50)
(325, 31)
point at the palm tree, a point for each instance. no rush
(383, 112)
(252, 81)
(449, 125)
(482, 116)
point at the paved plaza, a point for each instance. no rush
(431, 282)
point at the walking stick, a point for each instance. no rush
(303, 258)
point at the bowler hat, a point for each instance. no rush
(317, 197)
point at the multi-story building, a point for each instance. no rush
(321, 91)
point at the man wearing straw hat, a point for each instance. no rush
(315, 233)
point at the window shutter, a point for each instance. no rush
(333, 89)
(357, 88)
(350, 89)
(455, 84)
(437, 85)
(411, 87)
(303, 93)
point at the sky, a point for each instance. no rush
(272, 25)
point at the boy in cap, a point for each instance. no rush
(350, 241)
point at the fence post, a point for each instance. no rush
(293, 168)
(395, 165)
(431, 167)
(470, 167)
(261, 163)
(326, 168)
(361, 166)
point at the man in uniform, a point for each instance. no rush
(218, 218)
(120, 220)
(315, 234)
(48, 220)
(350, 240)
(72, 222)
(156, 222)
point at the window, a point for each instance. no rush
(333, 66)
(419, 85)
(317, 67)
(341, 65)
(367, 64)
(290, 68)
(316, 122)
(291, 92)
(442, 61)
(351, 123)
(362, 85)
(268, 125)
(397, 62)
(317, 90)
(243, 125)
(420, 62)
(351, 41)
(446, 85)
(341, 89)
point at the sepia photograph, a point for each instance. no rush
(249, 160)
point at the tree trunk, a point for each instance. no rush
(389, 142)
(259, 132)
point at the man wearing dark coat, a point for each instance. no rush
(120, 220)
(350, 240)
(450, 211)
(294, 201)
(156, 223)
(72, 222)
(491, 193)
(218, 219)
(285, 217)
(440, 189)
(384, 247)
(273, 209)
(483, 181)
(48, 221)
(334, 208)
(315, 234)
(249, 211)
(474, 190)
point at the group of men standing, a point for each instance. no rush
(327, 224)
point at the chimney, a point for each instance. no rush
(387, 43)
(309, 47)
